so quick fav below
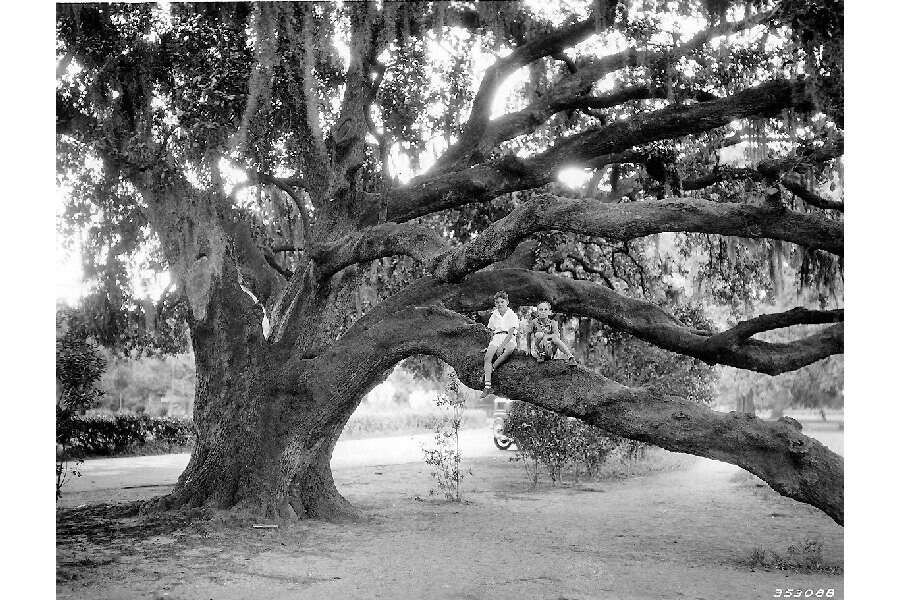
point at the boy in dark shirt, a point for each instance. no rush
(544, 332)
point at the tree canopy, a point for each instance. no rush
(337, 187)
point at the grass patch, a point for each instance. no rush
(805, 557)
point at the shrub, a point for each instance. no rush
(551, 442)
(110, 435)
(555, 443)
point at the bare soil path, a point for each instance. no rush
(685, 529)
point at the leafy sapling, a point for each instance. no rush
(445, 457)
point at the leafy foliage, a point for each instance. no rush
(220, 80)
(556, 444)
(130, 327)
(628, 360)
(819, 30)
(114, 435)
(444, 457)
(79, 366)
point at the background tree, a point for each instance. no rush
(334, 189)
(131, 384)
(79, 366)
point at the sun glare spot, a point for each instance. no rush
(573, 177)
(343, 50)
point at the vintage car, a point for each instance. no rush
(501, 406)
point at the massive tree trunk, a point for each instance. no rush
(265, 433)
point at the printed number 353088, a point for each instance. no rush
(799, 593)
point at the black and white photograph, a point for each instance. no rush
(537, 299)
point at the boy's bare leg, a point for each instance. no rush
(539, 347)
(562, 346)
(488, 361)
(507, 352)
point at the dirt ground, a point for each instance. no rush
(684, 528)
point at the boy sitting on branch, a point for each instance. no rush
(544, 332)
(505, 324)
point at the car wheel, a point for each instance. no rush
(502, 442)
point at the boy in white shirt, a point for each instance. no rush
(505, 324)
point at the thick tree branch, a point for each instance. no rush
(791, 463)
(480, 183)
(481, 135)
(536, 114)
(641, 319)
(796, 316)
(637, 219)
(718, 175)
(387, 239)
(545, 45)
(588, 268)
(256, 264)
(793, 184)
(272, 262)
(289, 186)
(778, 171)
(349, 132)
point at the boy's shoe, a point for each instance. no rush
(541, 358)
(571, 361)
(488, 391)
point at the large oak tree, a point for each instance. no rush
(271, 173)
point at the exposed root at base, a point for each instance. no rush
(329, 507)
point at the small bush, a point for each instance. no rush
(556, 444)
